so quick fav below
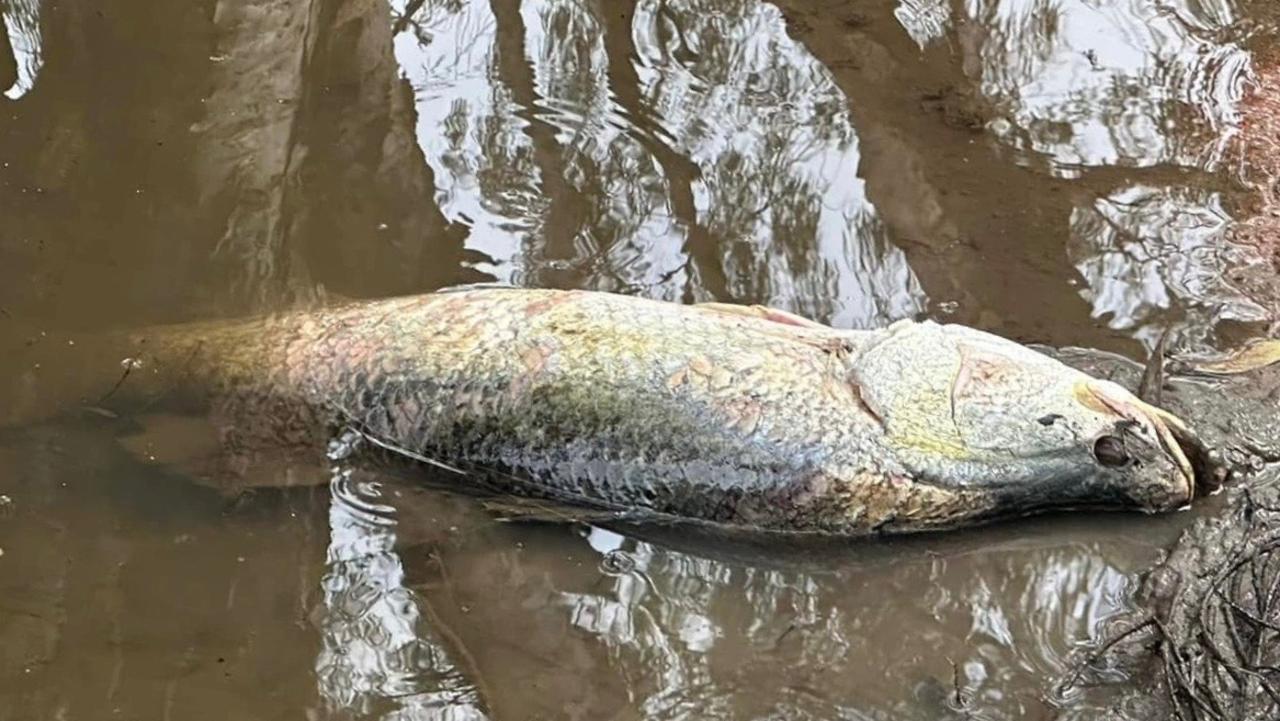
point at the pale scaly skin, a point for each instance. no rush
(747, 417)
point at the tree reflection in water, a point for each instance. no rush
(1143, 251)
(1081, 84)
(472, 619)
(378, 653)
(728, 170)
(1086, 87)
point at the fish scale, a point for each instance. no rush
(743, 416)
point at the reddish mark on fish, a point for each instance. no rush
(677, 379)
(545, 303)
(855, 390)
(701, 371)
(534, 358)
(974, 372)
(1097, 398)
(760, 312)
(453, 303)
(979, 374)
(743, 414)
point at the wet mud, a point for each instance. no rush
(1071, 174)
(1200, 642)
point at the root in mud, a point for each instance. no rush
(1209, 630)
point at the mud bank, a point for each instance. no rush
(1201, 639)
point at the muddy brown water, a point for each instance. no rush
(1058, 172)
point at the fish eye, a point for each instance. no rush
(1110, 452)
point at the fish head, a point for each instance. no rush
(968, 411)
(1089, 443)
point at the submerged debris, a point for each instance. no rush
(1255, 355)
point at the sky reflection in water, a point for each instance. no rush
(22, 23)
(767, 157)
(1086, 84)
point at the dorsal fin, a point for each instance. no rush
(483, 285)
(775, 315)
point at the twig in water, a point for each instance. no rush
(1102, 650)
(129, 364)
(470, 669)
(962, 703)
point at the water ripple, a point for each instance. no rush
(1127, 83)
(376, 643)
(1155, 256)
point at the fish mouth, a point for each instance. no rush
(1199, 470)
(1203, 468)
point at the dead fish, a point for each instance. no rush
(746, 417)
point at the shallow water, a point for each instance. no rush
(1060, 172)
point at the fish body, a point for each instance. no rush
(741, 416)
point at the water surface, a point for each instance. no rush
(1061, 171)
